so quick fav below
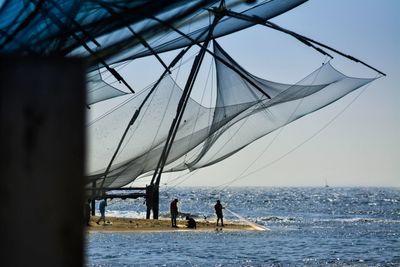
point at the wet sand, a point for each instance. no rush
(117, 224)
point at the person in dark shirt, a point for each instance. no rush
(174, 212)
(218, 210)
(102, 208)
(191, 223)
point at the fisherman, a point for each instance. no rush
(102, 208)
(174, 212)
(191, 223)
(218, 210)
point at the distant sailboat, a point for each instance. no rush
(326, 183)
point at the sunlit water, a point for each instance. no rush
(309, 226)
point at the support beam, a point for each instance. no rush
(180, 110)
(305, 40)
(93, 199)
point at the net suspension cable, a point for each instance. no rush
(305, 40)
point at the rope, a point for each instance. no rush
(254, 225)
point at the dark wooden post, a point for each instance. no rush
(149, 200)
(156, 201)
(93, 200)
(42, 161)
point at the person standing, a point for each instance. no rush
(174, 212)
(102, 208)
(218, 210)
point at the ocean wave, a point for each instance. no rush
(126, 214)
(277, 219)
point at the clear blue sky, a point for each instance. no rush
(360, 147)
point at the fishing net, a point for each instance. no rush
(246, 108)
(98, 90)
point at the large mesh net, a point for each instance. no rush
(246, 108)
(99, 90)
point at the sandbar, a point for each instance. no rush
(119, 224)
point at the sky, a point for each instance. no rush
(354, 141)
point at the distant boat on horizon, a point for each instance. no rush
(326, 183)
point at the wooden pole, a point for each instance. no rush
(93, 199)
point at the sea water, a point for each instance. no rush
(308, 227)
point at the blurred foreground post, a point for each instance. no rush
(42, 153)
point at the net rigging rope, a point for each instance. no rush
(254, 225)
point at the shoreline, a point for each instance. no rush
(120, 224)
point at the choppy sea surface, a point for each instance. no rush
(308, 227)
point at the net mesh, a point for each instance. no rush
(242, 114)
(99, 90)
